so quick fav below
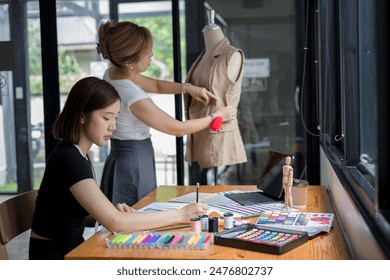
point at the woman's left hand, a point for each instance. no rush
(123, 207)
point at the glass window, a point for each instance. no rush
(267, 112)
(7, 126)
(352, 99)
(157, 17)
(367, 87)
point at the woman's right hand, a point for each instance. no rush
(227, 113)
(192, 211)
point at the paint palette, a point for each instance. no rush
(261, 239)
(166, 240)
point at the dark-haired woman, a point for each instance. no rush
(69, 192)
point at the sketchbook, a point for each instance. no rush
(310, 222)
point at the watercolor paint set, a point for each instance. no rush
(261, 239)
(166, 240)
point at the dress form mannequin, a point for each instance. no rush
(213, 35)
(219, 68)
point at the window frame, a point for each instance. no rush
(355, 38)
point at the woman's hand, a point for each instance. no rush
(123, 207)
(200, 94)
(192, 211)
(227, 113)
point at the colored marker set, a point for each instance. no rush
(261, 239)
(176, 240)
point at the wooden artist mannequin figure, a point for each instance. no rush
(288, 174)
(219, 68)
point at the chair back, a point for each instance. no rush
(16, 216)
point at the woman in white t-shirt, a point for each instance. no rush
(129, 171)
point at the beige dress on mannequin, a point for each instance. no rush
(219, 68)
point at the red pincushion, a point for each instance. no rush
(216, 124)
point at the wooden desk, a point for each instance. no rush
(329, 246)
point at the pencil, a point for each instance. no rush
(197, 192)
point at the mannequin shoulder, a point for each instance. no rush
(235, 65)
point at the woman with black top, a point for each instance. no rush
(69, 193)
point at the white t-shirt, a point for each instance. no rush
(128, 126)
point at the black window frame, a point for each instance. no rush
(353, 63)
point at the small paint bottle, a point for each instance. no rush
(196, 225)
(227, 220)
(204, 222)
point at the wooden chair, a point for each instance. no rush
(16, 216)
